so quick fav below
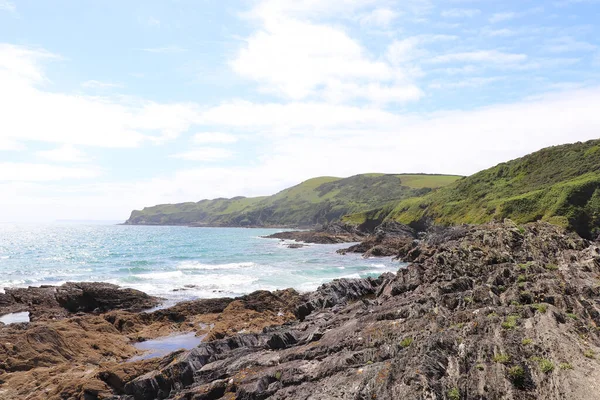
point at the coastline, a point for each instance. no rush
(461, 315)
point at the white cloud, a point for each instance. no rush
(567, 44)
(461, 13)
(152, 21)
(213, 137)
(6, 5)
(206, 154)
(307, 141)
(379, 17)
(290, 57)
(466, 83)
(94, 84)
(503, 16)
(64, 154)
(480, 56)
(29, 172)
(30, 113)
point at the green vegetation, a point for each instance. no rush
(551, 267)
(545, 365)
(572, 316)
(517, 375)
(406, 342)
(453, 394)
(510, 322)
(589, 354)
(565, 366)
(559, 184)
(540, 307)
(316, 201)
(502, 358)
(526, 341)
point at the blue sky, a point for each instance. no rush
(108, 106)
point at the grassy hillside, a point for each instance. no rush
(312, 202)
(558, 184)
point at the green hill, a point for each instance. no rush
(558, 184)
(315, 201)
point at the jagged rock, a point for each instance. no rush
(481, 312)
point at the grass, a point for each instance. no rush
(453, 393)
(559, 184)
(315, 201)
(510, 322)
(406, 342)
(517, 375)
(526, 341)
(545, 365)
(551, 267)
(540, 307)
(501, 358)
(572, 316)
(565, 366)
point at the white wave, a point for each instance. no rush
(382, 266)
(187, 265)
(160, 275)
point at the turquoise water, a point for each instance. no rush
(173, 262)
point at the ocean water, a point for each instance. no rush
(177, 263)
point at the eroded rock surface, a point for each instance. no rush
(498, 311)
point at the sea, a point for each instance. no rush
(173, 262)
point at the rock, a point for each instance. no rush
(328, 234)
(51, 302)
(483, 312)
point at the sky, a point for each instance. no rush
(108, 106)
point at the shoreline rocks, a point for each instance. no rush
(481, 312)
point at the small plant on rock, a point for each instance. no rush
(521, 278)
(502, 358)
(510, 322)
(546, 365)
(565, 366)
(589, 354)
(572, 316)
(454, 393)
(517, 375)
(526, 341)
(541, 307)
(551, 267)
(406, 342)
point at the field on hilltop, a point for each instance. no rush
(315, 201)
(559, 184)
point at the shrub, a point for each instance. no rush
(454, 394)
(526, 341)
(572, 316)
(521, 278)
(480, 367)
(589, 354)
(406, 342)
(502, 358)
(565, 366)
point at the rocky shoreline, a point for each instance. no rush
(496, 311)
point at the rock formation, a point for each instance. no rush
(496, 311)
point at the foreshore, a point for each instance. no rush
(484, 311)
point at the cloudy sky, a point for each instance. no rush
(107, 106)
